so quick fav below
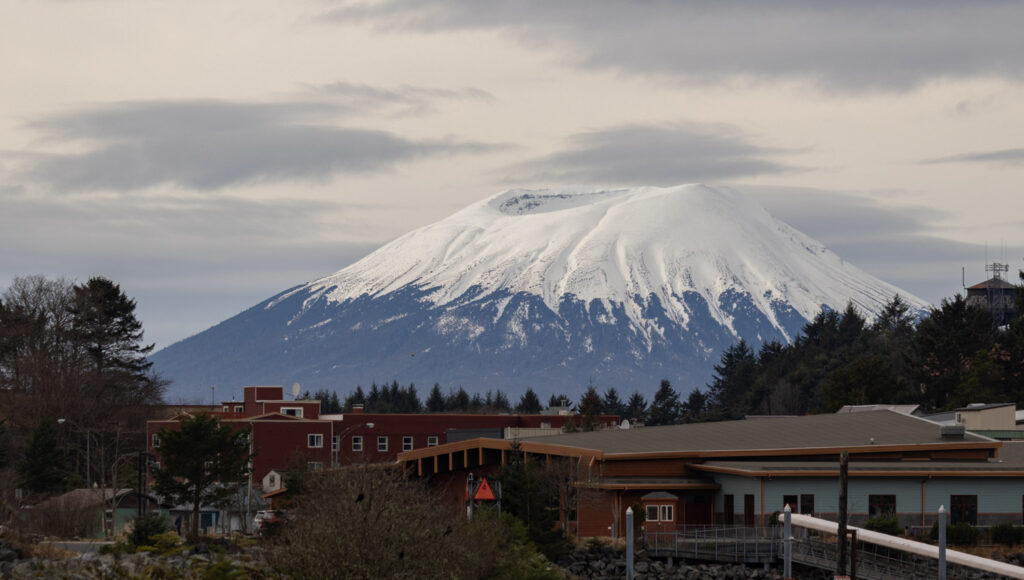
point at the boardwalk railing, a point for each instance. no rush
(718, 543)
(764, 545)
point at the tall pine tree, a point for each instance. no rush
(665, 406)
(636, 408)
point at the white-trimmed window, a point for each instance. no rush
(652, 513)
(407, 443)
(225, 408)
(382, 443)
(357, 443)
(239, 409)
(315, 440)
(292, 411)
(667, 513)
(432, 441)
(156, 440)
(315, 466)
(335, 442)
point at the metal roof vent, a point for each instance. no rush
(952, 431)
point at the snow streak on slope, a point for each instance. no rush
(616, 247)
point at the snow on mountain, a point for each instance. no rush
(628, 285)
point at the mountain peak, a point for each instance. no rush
(531, 285)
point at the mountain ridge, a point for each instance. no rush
(632, 285)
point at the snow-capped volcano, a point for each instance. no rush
(536, 288)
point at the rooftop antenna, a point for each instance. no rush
(994, 291)
(213, 396)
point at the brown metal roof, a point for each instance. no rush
(869, 431)
(994, 283)
(864, 468)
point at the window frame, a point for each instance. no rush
(357, 443)
(382, 443)
(805, 499)
(407, 443)
(878, 504)
(288, 411)
(647, 512)
(156, 440)
(667, 512)
(315, 440)
(433, 440)
(963, 508)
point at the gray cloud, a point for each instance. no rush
(666, 154)
(872, 44)
(1013, 157)
(209, 144)
(189, 261)
(405, 99)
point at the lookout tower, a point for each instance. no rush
(995, 294)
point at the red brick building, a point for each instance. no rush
(290, 431)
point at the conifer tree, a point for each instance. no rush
(665, 406)
(358, 397)
(334, 405)
(436, 401)
(693, 409)
(104, 323)
(529, 403)
(589, 408)
(729, 392)
(202, 462)
(458, 400)
(611, 404)
(42, 469)
(501, 402)
(636, 408)
(558, 400)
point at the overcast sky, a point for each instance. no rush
(206, 155)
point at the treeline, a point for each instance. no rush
(75, 383)
(395, 398)
(953, 356)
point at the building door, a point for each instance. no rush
(748, 510)
(728, 509)
(699, 510)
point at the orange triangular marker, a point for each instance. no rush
(484, 491)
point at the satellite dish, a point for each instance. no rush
(295, 390)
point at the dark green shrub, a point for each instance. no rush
(147, 526)
(1007, 534)
(884, 524)
(962, 534)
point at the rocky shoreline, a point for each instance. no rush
(609, 563)
(202, 560)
